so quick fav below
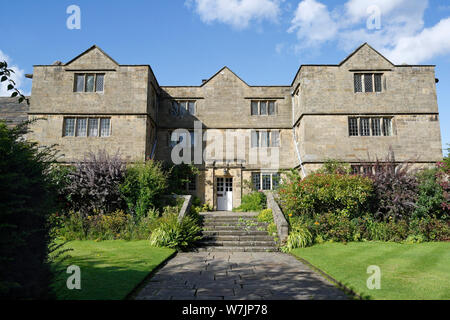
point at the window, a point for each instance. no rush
(265, 139)
(89, 82)
(87, 127)
(254, 108)
(372, 82)
(191, 184)
(69, 127)
(353, 126)
(370, 127)
(256, 179)
(93, 127)
(265, 181)
(364, 127)
(105, 129)
(263, 108)
(387, 127)
(81, 127)
(376, 128)
(180, 108)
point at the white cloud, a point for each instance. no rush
(18, 76)
(237, 13)
(313, 23)
(402, 36)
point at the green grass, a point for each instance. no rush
(110, 270)
(408, 271)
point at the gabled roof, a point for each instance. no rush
(90, 49)
(218, 72)
(365, 44)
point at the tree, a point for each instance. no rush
(5, 75)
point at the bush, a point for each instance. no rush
(299, 237)
(432, 229)
(255, 201)
(265, 215)
(143, 187)
(323, 192)
(335, 167)
(179, 176)
(430, 196)
(174, 234)
(94, 184)
(27, 197)
(395, 189)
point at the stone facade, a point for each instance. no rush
(307, 122)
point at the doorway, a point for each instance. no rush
(224, 194)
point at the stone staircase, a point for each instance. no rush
(235, 232)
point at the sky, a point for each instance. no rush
(262, 41)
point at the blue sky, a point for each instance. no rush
(263, 41)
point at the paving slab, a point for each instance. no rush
(238, 276)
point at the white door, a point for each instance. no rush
(224, 194)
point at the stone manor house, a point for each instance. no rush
(354, 111)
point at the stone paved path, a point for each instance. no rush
(237, 276)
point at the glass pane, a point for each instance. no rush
(376, 127)
(353, 127)
(93, 127)
(264, 139)
(192, 107)
(387, 127)
(368, 83)
(105, 127)
(378, 83)
(256, 179)
(79, 82)
(276, 178)
(365, 128)
(358, 83)
(255, 139)
(275, 141)
(90, 83)
(271, 108)
(266, 182)
(99, 83)
(254, 108)
(69, 127)
(175, 108)
(263, 106)
(81, 127)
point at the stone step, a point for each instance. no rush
(236, 232)
(231, 228)
(232, 224)
(211, 243)
(239, 238)
(237, 249)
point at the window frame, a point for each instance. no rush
(362, 82)
(260, 177)
(267, 103)
(382, 121)
(259, 139)
(85, 77)
(182, 110)
(88, 127)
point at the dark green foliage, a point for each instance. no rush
(5, 75)
(144, 185)
(26, 201)
(335, 167)
(252, 202)
(94, 184)
(179, 176)
(430, 195)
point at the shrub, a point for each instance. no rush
(333, 226)
(265, 215)
(255, 201)
(179, 176)
(430, 195)
(174, 234)
(27, 197)
(94, 184)
(323, 192)
(335, 167)
(299, 237)
(431, 228)
(143, 187)
(395, 189)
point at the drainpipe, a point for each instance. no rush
(295, 140)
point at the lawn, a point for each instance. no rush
(110, 270)
(408, 271)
